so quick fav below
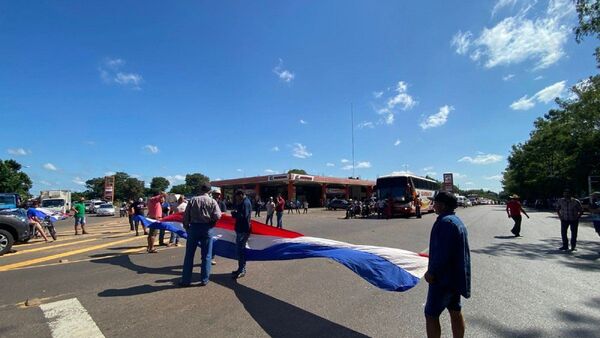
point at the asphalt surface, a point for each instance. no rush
(522, 287)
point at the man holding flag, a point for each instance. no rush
(201, 215)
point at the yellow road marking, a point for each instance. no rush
(63, 254)
(51, 247)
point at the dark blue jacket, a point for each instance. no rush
(449, 256)
(243, 214)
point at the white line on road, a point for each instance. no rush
(68, 318)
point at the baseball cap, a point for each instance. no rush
(447, 198)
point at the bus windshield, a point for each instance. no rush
(394, 187)
(53, 203)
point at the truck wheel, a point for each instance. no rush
(6, 241)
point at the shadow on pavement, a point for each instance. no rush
(547, 249)
(281, 319)
(502, 330)
(277, 318)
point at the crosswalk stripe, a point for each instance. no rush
(63, 254)
(68, 318)
(50, 246)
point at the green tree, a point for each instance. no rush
(297, 171)
(13, 180)
(194, 181)
(182, 189)
(159, 184)
(588, 13)
(95, 188)
(131, 189)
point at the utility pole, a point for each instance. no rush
(352, 117)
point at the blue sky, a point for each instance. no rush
(237, 88)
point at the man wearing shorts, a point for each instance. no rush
(449, 270)
(79, 209)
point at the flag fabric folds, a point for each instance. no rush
(387, 268)
(42, 213)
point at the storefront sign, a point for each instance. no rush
(306, 178)
(282, 177)
(335, 191)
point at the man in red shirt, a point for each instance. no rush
(154, 212)
(514, 210)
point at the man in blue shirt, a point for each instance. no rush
(449, 270)
(243, 227)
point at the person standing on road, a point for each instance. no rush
(305, 205)
(138, 209)
(417, 203)
(270, 211)
(279, 211)
(569, 211)
(595, 211)
(154, 212)
(79, 209)
(243, 227)
(130, 214)
(201, 215)
(180, 206)
(449, 270)
(514, 210)
(258, 206)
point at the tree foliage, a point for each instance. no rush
(588, 13)
(297, 171)
(562, 150)
(13, 180)
(192, 184)
(159, 184)
(126, 187)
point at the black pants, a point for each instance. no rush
(418, 212)
(131, 222)
(516, 230)
(564, 225)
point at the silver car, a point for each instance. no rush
(106, 209)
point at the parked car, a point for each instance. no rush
(335, 204)
(585, 204)
(106, 209)
(13, 228)
(95, 205)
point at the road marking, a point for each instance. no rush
(68, 318)
(50, 247)
(64, 254)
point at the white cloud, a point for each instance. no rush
(50, 166)
(494, 178)
(482, 159)
(329, 164)
(399, 100)
(397, 143)
(389, 119)
(303, 122)
(270, 171)
(239, 170)
(300, 151)
(461, 41)
(545, 95)
(365, 124)
(539, 77)
(508, 77)
(360, 165)
(438, 119)
(469, 183)
(522, 37)
(18, 151)
(151, 148)
(427, 168)
(283, 74)
(344, 160)
(458, 175)
(109, 173)
(175, 179)
(275, 148)
(47, 183)
(401, 172)
(501, 4)
(377, 94)
(77, 180)
(111, 73)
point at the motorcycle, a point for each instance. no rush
(48, 227)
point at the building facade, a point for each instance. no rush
(317, 190)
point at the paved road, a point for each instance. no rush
(522, 287)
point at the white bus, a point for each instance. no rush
(402, 190)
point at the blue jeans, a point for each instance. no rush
(174, 239)
(240, 240)
(280, 219)
(197, 233)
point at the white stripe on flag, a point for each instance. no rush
(68, 318)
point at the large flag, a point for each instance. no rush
(42, 213)
(387, 268)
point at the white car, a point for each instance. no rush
(105, 210)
